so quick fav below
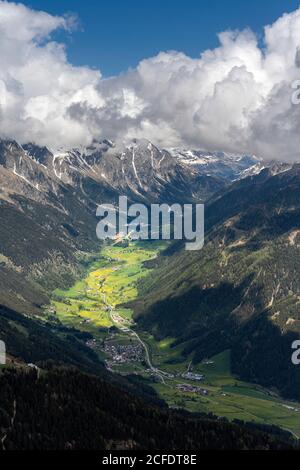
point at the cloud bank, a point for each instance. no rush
(236, 97)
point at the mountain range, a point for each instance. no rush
(240, 292)
(48, 201)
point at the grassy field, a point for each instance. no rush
(95, 304)
(112, 280)
(229, 397)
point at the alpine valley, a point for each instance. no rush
(194, 346)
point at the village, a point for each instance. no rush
(192, 389)
(132, 352)
(123, 353)
(192, 376)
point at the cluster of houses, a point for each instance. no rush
(121, 353)
(192, 376)
(192, 389)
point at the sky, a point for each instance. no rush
(213, 75)
(116, 34)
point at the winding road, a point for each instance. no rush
(119, 322)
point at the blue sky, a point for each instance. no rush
(117, 34)
(237, 98)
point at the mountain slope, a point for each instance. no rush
(47, 223)
(139, 170)
(242, 290)
(70, 410)
(48, 201)
(230, 167)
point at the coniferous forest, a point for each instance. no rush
(64, 409)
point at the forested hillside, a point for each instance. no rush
(242, 290)
(65, 409)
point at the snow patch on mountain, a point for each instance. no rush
(226, 165)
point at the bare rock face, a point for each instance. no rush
(139, 170)
(48, 202)
(101, 171)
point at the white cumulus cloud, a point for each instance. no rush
(236, 97)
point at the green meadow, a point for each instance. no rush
(96, 303)
(229, 397)
(111, 281)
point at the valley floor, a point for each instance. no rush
(95, 305)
